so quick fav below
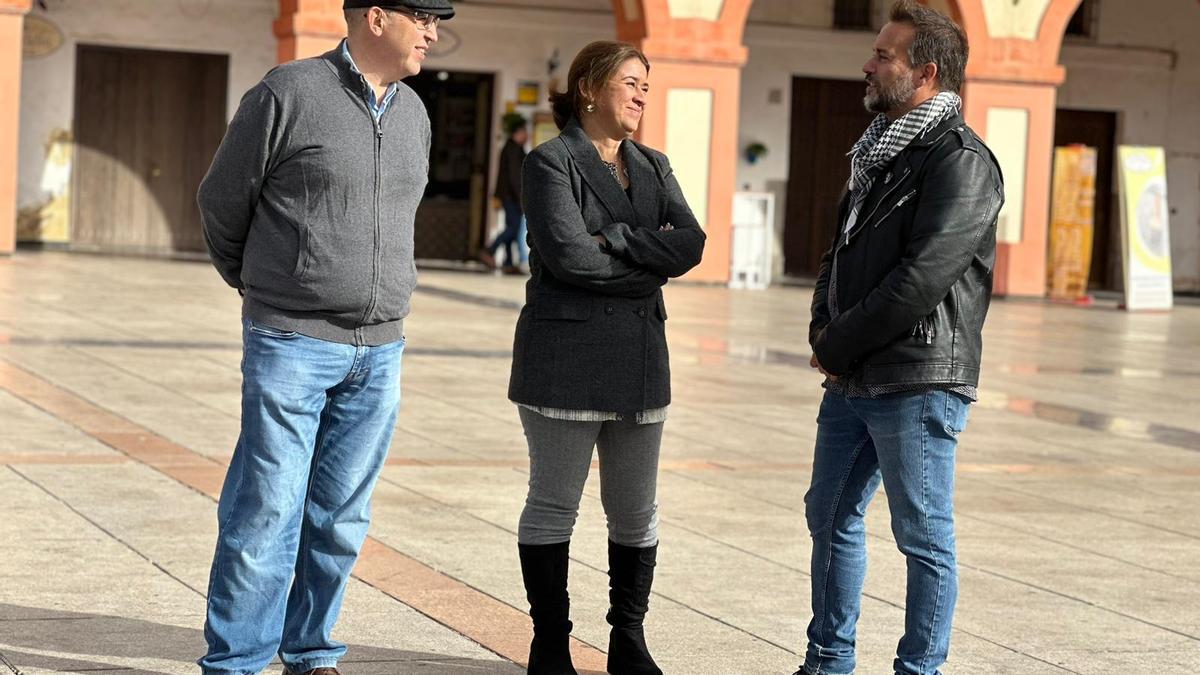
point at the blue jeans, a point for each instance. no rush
(907, 440)
(317, 420)
(509, 237)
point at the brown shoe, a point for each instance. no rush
(314, 671)
(487, 259)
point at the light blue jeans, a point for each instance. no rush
(317, 419)
(908, 441)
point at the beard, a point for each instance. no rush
(886, 98)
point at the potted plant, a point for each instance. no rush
(754, 151)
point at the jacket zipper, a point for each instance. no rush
(863, 221)
(858, 226)
(925, 330)
(895, 206)
(375, 251)
(833, 301)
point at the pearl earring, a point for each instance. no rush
(591, 107)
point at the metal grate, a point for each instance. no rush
(852, 14)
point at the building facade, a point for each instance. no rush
(121, 103)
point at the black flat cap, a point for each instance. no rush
(439, 8)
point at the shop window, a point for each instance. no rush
(852, 14)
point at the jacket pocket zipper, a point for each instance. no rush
(867, 218)
(895, 206)
(925, 330)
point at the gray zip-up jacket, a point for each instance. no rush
(308, 207)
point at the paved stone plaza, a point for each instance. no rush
(1078, 493)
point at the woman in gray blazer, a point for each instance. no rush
(608, 225)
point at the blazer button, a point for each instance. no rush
(608, 309)
(642, 312)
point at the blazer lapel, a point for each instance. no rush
(596, 175)
(644, 185)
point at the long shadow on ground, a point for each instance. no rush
(46, 639)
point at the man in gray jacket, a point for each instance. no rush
(308, 212)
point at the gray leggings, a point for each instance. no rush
(560, 455)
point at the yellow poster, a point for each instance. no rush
(1071, 222)
(1145, 228)
(527, 92)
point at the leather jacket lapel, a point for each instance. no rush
(886, 190)
(596, 175)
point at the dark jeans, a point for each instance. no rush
(513, 216)
(908, 442)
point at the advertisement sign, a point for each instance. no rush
(1145, 228)
(1072, 211)
(527, 92)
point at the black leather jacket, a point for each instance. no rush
(901, 298)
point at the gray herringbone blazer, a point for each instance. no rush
(591, 335)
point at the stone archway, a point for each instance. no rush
(696, 54)
(1009, 98)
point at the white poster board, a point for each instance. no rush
(1145, 228)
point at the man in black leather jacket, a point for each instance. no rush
(897, 316)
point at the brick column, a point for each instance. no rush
(307, 28)
(12, 15)
(1010, 100)
(696, 58)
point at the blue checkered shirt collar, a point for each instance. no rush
(368, 92)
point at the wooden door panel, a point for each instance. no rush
(147, 125)
(827, 119)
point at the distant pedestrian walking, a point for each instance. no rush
(608, 226)
(508, 193)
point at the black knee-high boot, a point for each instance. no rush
(544, 569)
(630, 576)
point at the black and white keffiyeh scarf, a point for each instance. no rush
(884, 139)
